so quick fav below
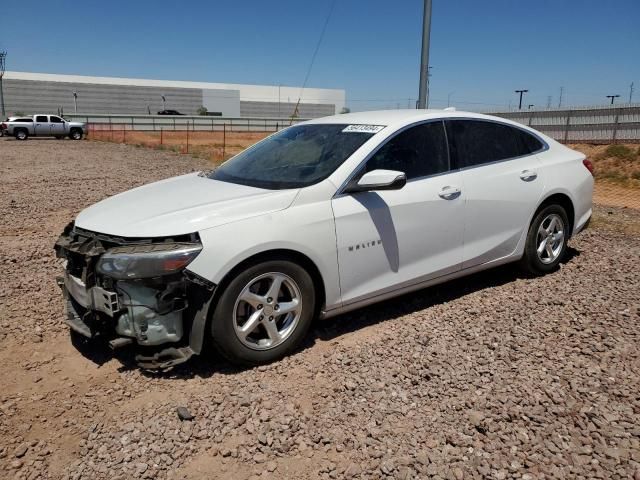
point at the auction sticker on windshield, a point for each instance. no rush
(363, 128)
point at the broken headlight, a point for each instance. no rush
(146, 261)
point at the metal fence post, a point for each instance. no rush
(615, 129)
(566, 126)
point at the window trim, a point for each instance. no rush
(545, 145)
(357, 171)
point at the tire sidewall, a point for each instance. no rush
(223, 333)
(73, 133)
(532, 262)
(26, 135)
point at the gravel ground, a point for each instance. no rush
(492, 376)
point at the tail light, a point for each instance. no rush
(3, 126)
(587, 163)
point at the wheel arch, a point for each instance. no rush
(565, 201)
(280, 254)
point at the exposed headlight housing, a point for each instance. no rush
(147, 261)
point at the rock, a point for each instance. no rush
(272, 466)
(184, 413)
(21, 450)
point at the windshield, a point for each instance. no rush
(295, 157)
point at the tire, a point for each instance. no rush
(21, 134)
(255, 331)
(549, 232)
(75, 134)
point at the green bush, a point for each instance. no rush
(619, 151)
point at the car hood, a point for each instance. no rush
(180, 205)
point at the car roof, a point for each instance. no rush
(398, 118)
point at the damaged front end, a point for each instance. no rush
(135, 290)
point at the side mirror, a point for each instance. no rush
(379, 180)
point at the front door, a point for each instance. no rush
(56, 125)
(390, 239)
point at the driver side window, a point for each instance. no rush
(418, 152)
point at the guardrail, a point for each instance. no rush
(183, 122)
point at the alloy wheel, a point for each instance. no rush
(550, 238)
(267, 311)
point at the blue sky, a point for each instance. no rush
(481, 50)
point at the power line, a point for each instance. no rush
(313, 57)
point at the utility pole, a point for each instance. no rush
(560, 99)
(630, 92)
(449, 98)
(612, 97)
(521, 92)
(75, 102)
(549, 101)
(3, 56)
(424, 59)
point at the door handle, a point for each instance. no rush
(528, 175)
(449, 193)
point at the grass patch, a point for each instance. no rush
(620, 151)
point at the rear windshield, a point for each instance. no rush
(296, 157)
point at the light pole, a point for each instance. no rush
(612, 97)
(3, 56)
(521, 92)
(75, 102)
(424, 59)
(163, 102)
(530, 105)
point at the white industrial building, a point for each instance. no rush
(43, 92)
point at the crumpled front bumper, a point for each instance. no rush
(164, 315)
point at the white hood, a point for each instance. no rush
(180, 205)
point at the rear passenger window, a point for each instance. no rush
(530, 143)
(418, 151)
(476, 142)
(42, 118)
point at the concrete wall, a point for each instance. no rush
(225, 101)
(43, 92)
(39, 96)
(285, 109)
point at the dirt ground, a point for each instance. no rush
(491, 376)
(215, 146)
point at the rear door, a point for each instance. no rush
(389, 239)
(502, 183)
(56, 125)
(42, 127)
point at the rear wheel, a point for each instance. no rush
(75, 134)
(21, 134)
(264, 313)
(546, 240)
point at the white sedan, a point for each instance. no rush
(318, 219)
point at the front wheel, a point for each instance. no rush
(264, 313)
(76, 134)
(546, 240)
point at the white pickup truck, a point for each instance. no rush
(44, 126)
